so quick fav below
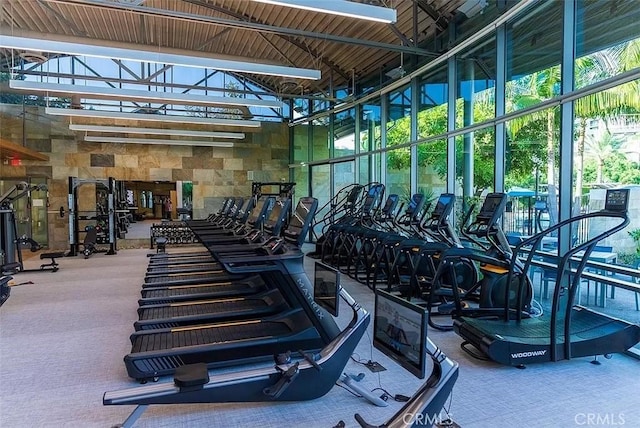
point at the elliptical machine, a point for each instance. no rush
(494, 257)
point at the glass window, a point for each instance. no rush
(607, 34)
(534, 52)
(532, 167)
(398, 175)
(301, 143)
(432, 168)
(399, 117)
(301, 107)
(320, 189)
(432, 110)
(301, 178)
(370, 122)
(320, 139)
(475, 85)
(343, 175)
(364, 172)
(344, 133)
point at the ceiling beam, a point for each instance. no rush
(94, 92)
(433, 14)
(341, 8)
(292, 40)
(44, 43)
(250, 26)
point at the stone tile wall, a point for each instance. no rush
(215, 172)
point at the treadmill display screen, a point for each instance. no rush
(617, 200)
(326, 288)
(400, 332)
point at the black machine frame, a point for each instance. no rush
(74, 213)
(571, 331)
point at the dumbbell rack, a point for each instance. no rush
(176, 233)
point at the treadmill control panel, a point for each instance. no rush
(617, 200)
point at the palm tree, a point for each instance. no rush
(606, 104)
(531, 90)
(601, 146)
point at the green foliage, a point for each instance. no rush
(635, 235)
(529, 137)
(619, 169)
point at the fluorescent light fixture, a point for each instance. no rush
(68, 48)
(93, 139)
(156, 131)
(137, 95)
(340, 7)
(101, 114)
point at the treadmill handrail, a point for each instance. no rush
(564, 267)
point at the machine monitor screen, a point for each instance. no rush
(493, 203)
(617, 200)
(444, 206)
(391, 204)
(415, 204)
(275, 213)
(257, 209)
(400, 332)
(300, 214)
(326, 288)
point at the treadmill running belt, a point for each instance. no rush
(192, 278)
(222, 289)
(182, 261)
(165, 270)
(204, 335)
(218, 308)
(584, 324)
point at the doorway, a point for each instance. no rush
(152, 200)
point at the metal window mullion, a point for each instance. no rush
(332, 153)
(384, 103)
(500, 95)
(413, 171)
(356, 141)
(451, 125)
(566, 120)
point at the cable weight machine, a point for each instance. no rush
(11, 261)
(105, 214)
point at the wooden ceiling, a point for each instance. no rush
(341, 47)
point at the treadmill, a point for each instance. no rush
(172, 264)
(161, 351)
(240, 213)
(175, 314)
(253, 284)
(211, 308)
(570, 330)
(288, 380)
(215, 272)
